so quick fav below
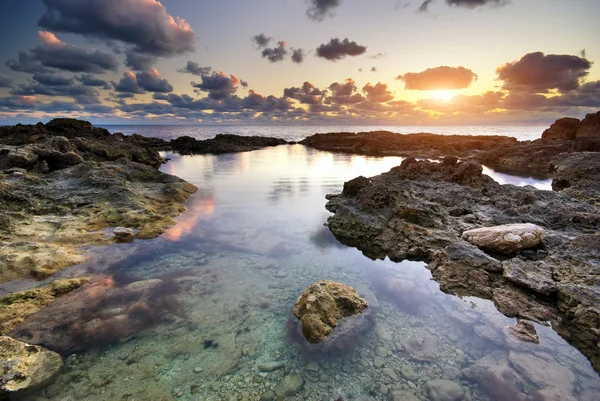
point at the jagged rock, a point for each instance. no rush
(444, 390)
(524, 330)
(577, 175)
(123, 234)
(506, 238)
(563, 129)
(25, 367)
(321, 306)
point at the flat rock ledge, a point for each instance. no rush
(322, 305)
(25, 367)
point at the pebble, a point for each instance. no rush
(198, 370)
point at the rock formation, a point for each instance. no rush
(420, 211)
(322, 305)
(507, 238)
(25, 367)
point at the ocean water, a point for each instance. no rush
(215, 322)
(299, 132)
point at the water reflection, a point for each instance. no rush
(203, 312)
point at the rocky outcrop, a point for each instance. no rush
(577, 175)
(507, 238)
(420, 211)
(563, 129)
(221, 143)
(322, 305)
(62, 184)
(25, 367)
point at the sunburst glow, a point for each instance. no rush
(444, 95)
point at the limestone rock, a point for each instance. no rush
(536, 275)
(506, 238)
(321, 305)
(524, 330)
(123, 234)
(444, 390)
(563, 129)
(25, 366)
(289, 385)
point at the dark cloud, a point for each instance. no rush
(53, 79)
(46, 89)
(476, 3)
(373, 69)
(195, 69)
(344, 93)
(307, 94)
(319, 9)
(257, 102)
(401, 5)
(152, 82)
(338, 49)
(91, 80)
(443, 77)
(378, 93)
(144, 24)
(219, 85)
(540, 73)
(424, 7)
(276, 54)
(298, 56)
(53, 53)
(17, 102)
(139, 61)
(142, 82)
(378, 56)
(261, 40)
(5, 82)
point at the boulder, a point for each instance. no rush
(444, 390)
(123, 234)
(322, 305)
(25, 367)
(507, 238)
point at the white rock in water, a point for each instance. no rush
(123, 234)
(507, 238)
(25, 367)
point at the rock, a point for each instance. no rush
(364, 291)
(289, 385)
(381, 351)
(536, 275)
(25, 367)
(444, 390)
(524, 330)
(378, 361)
(409, 373)
(498, 379)
(270, 366)
(563, 129)
(123, 234)
(590, 126)
(389, 372)
(577, 174)
(401, 395)
(423, 347)
(267, 396)
(312, 367)
(507, 238)
(321, 306)
(543, 371)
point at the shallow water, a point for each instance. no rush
(250, 242)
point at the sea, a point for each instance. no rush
(250, 241)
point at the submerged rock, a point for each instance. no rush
(289, 385)
(507, 238)
(123, 234)
(25, 367)
(524, 330)
(444, 390)
(322, 305)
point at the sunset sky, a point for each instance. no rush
(397, 62)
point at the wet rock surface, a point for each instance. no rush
(420, 210)
(221, 143)
(322, 305)
(25, 367)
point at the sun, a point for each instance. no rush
(443, 95)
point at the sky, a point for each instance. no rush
(306, 62)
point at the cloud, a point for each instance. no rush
(195, 69)
(337, 50)
(261, 40)
(46, 89)
(53, 79)
(5, 82)
(139, 61)
(91, 80)
(298, 56)
(276, 54)
(344, 93)
(54, 53)
(541, 73)
(142, 82)
(319, 9)
(219, 85)
(443, 77)
(476, 3)
(378, 56)
(144, 25)
(373, 69)
(378, 93)
(424, 7)
(307, 94)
